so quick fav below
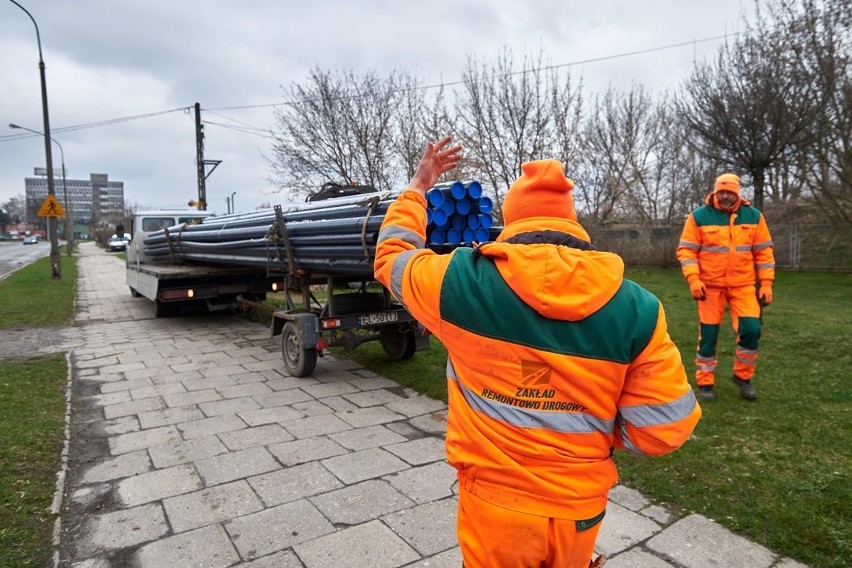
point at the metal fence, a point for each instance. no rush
(810, 246)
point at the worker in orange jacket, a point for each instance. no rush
(724, 249)
(555, 360)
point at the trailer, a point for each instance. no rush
(347, 320)
(327, 243)
(174, 262)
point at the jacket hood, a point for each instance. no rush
(558, 281)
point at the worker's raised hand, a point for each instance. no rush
(436, 161)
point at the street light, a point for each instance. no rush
(69, 235)
(233, 205)
(55, 260)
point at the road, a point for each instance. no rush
(14, 255)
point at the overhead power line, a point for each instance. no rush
(267, 134)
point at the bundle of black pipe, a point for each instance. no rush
(458, 214)
(337, 236)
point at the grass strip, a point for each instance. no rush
(31, 297)
(32, 400)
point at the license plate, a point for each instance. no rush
(381, 317)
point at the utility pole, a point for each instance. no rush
(201, 163)
(199, 159)
(55, 257)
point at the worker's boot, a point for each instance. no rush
(705, 392)
(747, 389)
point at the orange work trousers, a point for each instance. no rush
(494, 537)
(745, 319)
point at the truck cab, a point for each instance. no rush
(144, 222)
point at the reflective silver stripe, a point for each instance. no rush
(744, 248)
(746, 362)
(398, 271)
(703, 359)
(406, 235)
(689, 245)
(688, 261)
(708, 368)
(525, 418)
(761, 246)
(765, 265)
(715, 249)
(747, 351)
(625, 439)
(658, 414)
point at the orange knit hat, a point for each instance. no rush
(728, 182)
(541, 191)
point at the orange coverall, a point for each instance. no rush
(554, 361)
(728, 251)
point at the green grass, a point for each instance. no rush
(31, 435)
(31, 297)
(776, 470)
(32, 410)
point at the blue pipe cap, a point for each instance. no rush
(437, 237)
(469, 235)
(474, 189)
(439, 217)
(454, 236)
(463, 206)
(485, 220)
(435, 197)
(485, 205)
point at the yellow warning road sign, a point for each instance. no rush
(51, 208)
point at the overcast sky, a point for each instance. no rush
(113, 59)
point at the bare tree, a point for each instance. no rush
(336, 128)
(750, 106)
(16, 207)
(621, 139)
(506, 117)
(421, 117)
(820, 39)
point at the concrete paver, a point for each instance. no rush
(191, 447)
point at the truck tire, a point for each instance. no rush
(165, 309)
(298, 361)
(398, 345)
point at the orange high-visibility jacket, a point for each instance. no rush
(724, 249)
(554, 360)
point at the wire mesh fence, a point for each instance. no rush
(802, 246)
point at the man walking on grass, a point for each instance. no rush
(724, 249)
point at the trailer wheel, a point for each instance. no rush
(298, 361)
(398, 346)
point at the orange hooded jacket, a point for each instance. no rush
(726, 249)
(554, 360)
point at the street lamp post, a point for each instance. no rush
(233, 205)
(55, 260)
(69, 236)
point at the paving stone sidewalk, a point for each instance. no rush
(189, 446)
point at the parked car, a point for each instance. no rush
(31, 240)
(117, 244)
